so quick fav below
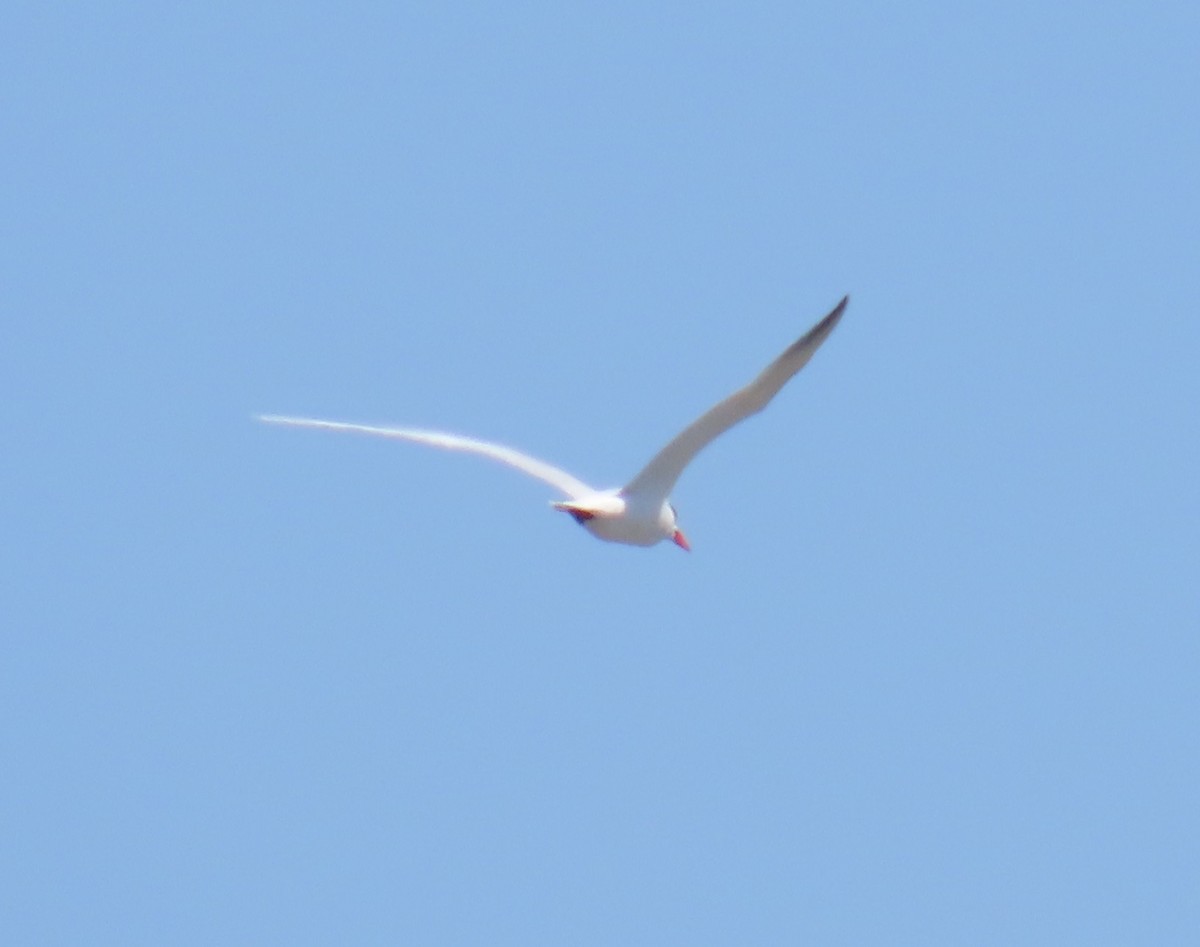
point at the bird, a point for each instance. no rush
(639, 513)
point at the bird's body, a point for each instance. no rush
(613, 516)
(640, 513)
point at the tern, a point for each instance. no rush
(639, 513)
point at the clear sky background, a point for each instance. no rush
(929, 675)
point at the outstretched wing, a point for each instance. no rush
(559, 479)
(658, 477)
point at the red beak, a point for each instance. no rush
(681, 541)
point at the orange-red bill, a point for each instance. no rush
(680, 540)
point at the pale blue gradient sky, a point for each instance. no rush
(930, 674)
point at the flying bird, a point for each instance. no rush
(639, 513)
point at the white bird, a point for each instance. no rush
(639, 513)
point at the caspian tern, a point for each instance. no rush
(639, 513)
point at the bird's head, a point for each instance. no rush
(670, 523)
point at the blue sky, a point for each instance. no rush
(929, 674)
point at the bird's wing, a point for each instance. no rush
(657, 479)
(558, 479)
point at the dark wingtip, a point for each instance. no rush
(817, 334)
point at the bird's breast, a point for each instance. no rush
(624, 529)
